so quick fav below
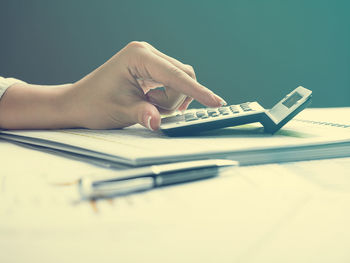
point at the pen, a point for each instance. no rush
(145, 178)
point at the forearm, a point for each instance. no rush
(26, 106)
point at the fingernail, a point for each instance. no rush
(220, 100)
(148, 123)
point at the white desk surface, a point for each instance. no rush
(295, 212)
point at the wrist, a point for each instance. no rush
(67, 106)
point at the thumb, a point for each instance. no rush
(147, 115)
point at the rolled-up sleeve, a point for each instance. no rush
(7, 82)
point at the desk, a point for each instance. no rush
(294, 212)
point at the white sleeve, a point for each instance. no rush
(7, 82)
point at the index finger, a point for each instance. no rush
(171, 76)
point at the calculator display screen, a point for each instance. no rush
(291, 100)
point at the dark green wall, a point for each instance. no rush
(243, 50)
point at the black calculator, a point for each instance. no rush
(194, 121)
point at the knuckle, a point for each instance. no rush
(136, 49)
(136, 45)
(190, 71)
(189, 67)
(146, 44)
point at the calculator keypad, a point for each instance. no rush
(207, 115)
(222, 111)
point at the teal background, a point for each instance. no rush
(243, 50)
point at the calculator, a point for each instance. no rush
(195, 121)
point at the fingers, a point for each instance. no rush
(163, 71)
(145, 68)
(185, 104)
(188, 69)
(150, 65)
(167, 99)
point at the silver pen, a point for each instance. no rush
(144, 178)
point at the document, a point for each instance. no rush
(300, 139)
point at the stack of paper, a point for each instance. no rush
(301, 139)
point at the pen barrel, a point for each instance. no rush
(185, 176)
(145, 178)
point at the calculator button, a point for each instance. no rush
(234, 109)
(210, 111)
(213, 112)
(245, 106)
(224, 111)
(202, 114)
(190, 117)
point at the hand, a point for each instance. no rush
(122, 91)
(119, 93)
